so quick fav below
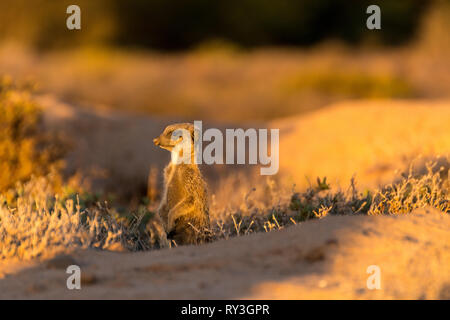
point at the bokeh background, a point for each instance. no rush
(253, 59)
(180, 25)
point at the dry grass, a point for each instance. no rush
(412, 191)
(33, 229)
(42, 224)
(415, 191)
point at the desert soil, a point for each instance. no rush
(320, 259)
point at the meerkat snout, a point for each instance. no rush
(174, 135)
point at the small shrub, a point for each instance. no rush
(431, 188)
(43, 224)
(26, 149)
(40, 226)
(412, 192)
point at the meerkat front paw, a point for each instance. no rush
(163, 241)
(158, 234)
(171, 223)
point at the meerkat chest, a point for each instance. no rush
(174, 186)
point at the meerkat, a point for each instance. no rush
(183, 210)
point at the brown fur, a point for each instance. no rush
(184, 208)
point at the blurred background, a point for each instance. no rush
(181, 25)
(137, 65)
(253, 59)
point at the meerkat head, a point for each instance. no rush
(176, 138)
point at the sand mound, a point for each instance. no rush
(371, 139)
(324, 259)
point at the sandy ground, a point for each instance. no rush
(321, 259)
